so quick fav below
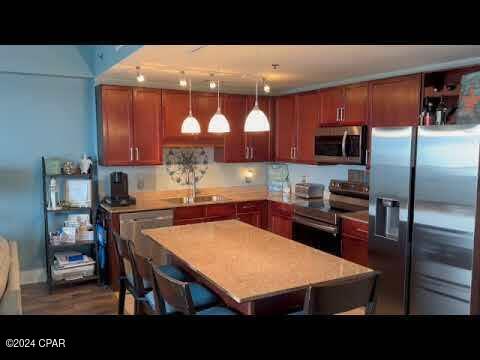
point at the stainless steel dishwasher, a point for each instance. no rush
(132, 224)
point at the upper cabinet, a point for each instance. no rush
(147, 110)
(285, 128)
(342, 106)
(308, 118)
(175, 107)
(239, 146)
(355, 109)
(259, 143)
(234, 147)
(331, 107)
(128, 124)
(395, 101)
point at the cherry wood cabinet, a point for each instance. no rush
(147, 108)
(114, 124)
(259, 143)
(204, 107)
(355, 105)
(394, 102)
(253, 213)
(355, 241)
(331, 107)
(285, 128)
(234, 150)
(343, 106)
(308, 117)
(129, 122)
(175, 107)
(280, 219)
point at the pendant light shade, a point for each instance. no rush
(190, 125)
(256, 120)
(218, 123)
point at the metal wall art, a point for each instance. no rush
(179, 161)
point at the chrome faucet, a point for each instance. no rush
(191, 171)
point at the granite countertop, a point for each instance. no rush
(250, 263)
(157, 200)
(361, 216)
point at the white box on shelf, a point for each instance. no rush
(78, 192)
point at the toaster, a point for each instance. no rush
(309, 190)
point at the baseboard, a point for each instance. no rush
(33, 276)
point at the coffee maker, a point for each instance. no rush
(118, 192)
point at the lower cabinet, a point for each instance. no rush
(281, 219)
(355, 241)
(253, 213)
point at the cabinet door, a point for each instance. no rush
(281, 226)
(115, 125)
(356, 105)
(234, 109)
(395, 102)
(174, 111)
(204, 107)
(332, 102)
(259, 143)
(285, 128)
(254, 218)
(355, 250)
(147, 106)
(309, 105)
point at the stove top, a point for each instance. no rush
(328, 210)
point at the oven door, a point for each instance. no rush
(316, 234)
(340, 145)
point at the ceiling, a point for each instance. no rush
(301, 67)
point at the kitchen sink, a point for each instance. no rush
(197, 199)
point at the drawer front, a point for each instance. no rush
(281, 209)
(189, 212)
(188, 221)
(355, 228)
(221, 210)
(354, 250)
(250, 206)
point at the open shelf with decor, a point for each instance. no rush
(69, 224)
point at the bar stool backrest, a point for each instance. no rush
(176, 293)
(342, 295)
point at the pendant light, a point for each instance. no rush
(218, 123)
(256, 120)
(190, 125)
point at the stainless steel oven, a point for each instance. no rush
(341, 145)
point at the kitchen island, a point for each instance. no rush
(254, 271)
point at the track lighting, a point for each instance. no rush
(183, 80)
(212, 83)
(140, 77)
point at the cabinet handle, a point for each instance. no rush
(337, 113)
(291, 152)
(366, 157)
(294, 152)
(131, 154)
(251, 153)
(137, 153)
(362, 231)
(246, 152)
(342, 114)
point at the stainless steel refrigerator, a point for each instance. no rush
(423, 226)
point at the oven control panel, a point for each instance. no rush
(349, 188)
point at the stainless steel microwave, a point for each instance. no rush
(341, 145)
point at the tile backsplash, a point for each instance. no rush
(157, 178)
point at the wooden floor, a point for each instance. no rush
(86, 299)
